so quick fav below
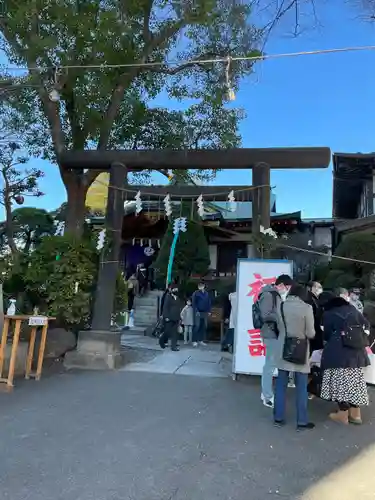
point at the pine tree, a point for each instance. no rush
(191, 256)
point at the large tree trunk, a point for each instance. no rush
(9, 226)
(76, 190)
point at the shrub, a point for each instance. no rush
(59, 277)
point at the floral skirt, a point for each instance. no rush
(345, 385)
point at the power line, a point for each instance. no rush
(176, 64)
(316, 252)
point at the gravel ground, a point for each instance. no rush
(143, 436)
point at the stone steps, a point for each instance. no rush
(146, 309)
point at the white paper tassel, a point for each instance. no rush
(269, 232)
(232, 201)
(101, 238)
(167, 205)
(138, 203)
(200, 204)
(60, 228)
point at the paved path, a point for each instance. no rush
(146, 436)
(201, 361)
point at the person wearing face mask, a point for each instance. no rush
(171, 313)
(202, 308)
(315, 291)
(270, 300)
(355, 301)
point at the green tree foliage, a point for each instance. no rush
(349, 273)
(48, 276)
(338, 278)
(30, 225)
(51, 283)
(191, 256)
(17, 182)
(103, 108)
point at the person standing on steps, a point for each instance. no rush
(270, 300)
(132, 284)
(171, 314)
(201, 302)
(142, 279)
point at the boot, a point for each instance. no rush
(355, 416)
(341, 417)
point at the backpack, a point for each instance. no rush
(353, 333)
(257, 315)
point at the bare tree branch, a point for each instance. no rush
(280, 9)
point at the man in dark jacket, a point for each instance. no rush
(201, 303)
(315, 290)
(171, 314)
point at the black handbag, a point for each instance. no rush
(295, 349)
(158, 329)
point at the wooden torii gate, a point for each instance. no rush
(100, 347)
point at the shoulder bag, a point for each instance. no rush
(353, 333)
(295, 349)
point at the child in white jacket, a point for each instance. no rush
(187, 320)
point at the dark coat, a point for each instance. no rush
(172, 308)
(227, 307)
(369, 314)
(317, 342)
(335, 355)
(201, 301)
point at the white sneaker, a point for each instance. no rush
(186, 342)
(195, 344)
(269, 403)
(291, 384)
(202, 343)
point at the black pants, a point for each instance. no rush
(228, 338)
(346, 406)
(130, 300)
(170, 332)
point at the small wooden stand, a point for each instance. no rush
(15, 341)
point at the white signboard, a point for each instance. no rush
(252, 276)
(37, 320)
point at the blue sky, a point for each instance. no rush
(322, 100)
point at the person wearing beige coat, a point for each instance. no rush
(298, 322)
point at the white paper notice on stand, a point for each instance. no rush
(252, 276)
(37, 320)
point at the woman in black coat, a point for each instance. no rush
(343, 376)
